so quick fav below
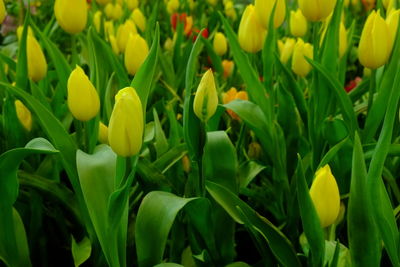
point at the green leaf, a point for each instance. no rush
(215, 59)
(161, 142)
(155, 217)
(332, 153)
(236, 208)
(168, 264)
(309, 218)
(81, 251)
(22, 66)
(143, 79)
(248, 171)
(365, 249)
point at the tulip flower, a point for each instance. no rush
(212, 2)
(113, 11)
(135, 53)
(392, 21)
(316, 10)
(206, 98)
(264, 11)
(251, 34)
(373, 49)
(71, 15)
(172, 6)
(24, 115)
(103, 2)
(325, 195)
(220, 44)
(286, 49)
(231, 95)
(298, 23)
(300, 66)
(2, 11)
(97, 20)
(114, 44)
(37, 65)
(342, 40)
(132, 4)
(83, 100)
(228, 66)
(229, 10)
(123, 33)
(103, 133)
(139, 19)
(125, 130)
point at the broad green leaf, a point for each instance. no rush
(248, 171)
(155, 217)
(365, 249)
(309, 218)
(170, 158)
(81, 251)
(236, 208)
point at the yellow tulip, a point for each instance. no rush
(132, 4)
(286, 49)
(342, 40)
(123, 33)
(103, 133)
(113, 11)
(316, 10)
(135, 53)
(114, 44)
(97, 20)
(220, 44)
(300, 66)
(24, 115)
(20, 29)
(172, 6)
(325, 195)
(212, 2)
(109, 28)
(206, 98)
(37, 65)
(169, 44)
(373, 49)
(125, 130)
(139, 19)
(83, 100)
(298, 23)
(264, 9)
(230, 11)
(392, 21)
(3, 12)
(251, 34)
(71, 15)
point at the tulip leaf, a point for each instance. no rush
(256, 90)
(154, 220)
(332, 153)
(81, 251)
(364, 248)
(12, 233)
(382, 208)
(215, 59)
(22, 66)
(248, 171)
(241, 212)
(344, 100)
(309, 218)
(143, 79)
(161, 142)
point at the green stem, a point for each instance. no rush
(80, 135)
(74, 54)
(372, 87)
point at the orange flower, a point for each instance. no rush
(231, 95)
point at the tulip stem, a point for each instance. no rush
(372, 84)
(74, 54)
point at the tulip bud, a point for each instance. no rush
(2, 11)
(20, 30)
(113, 11)
(254, 151)
(186, 164)
(392, 21)
(324, 193)
(342, 40)
(172, 6)
(300, 66)
(220, 45)
(316, 10)
(298, 23)
(230, 11)
(108, 29)
(24, 115)
(286, 49)
(206, 98)
(373, 49)
(71, 15)
(103, 2)
(212, 2)
(169, 44)
(135, 53)
(132, 4)
(139, 19)
(83, 100)
(114, 44)
(125, 130)
(264, 11)
(231, 95)
(251, 34)
(123, 33)
(37, 65)
(228, 66)
(97, 20)
(103, 133)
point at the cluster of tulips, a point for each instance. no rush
(275, 117)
